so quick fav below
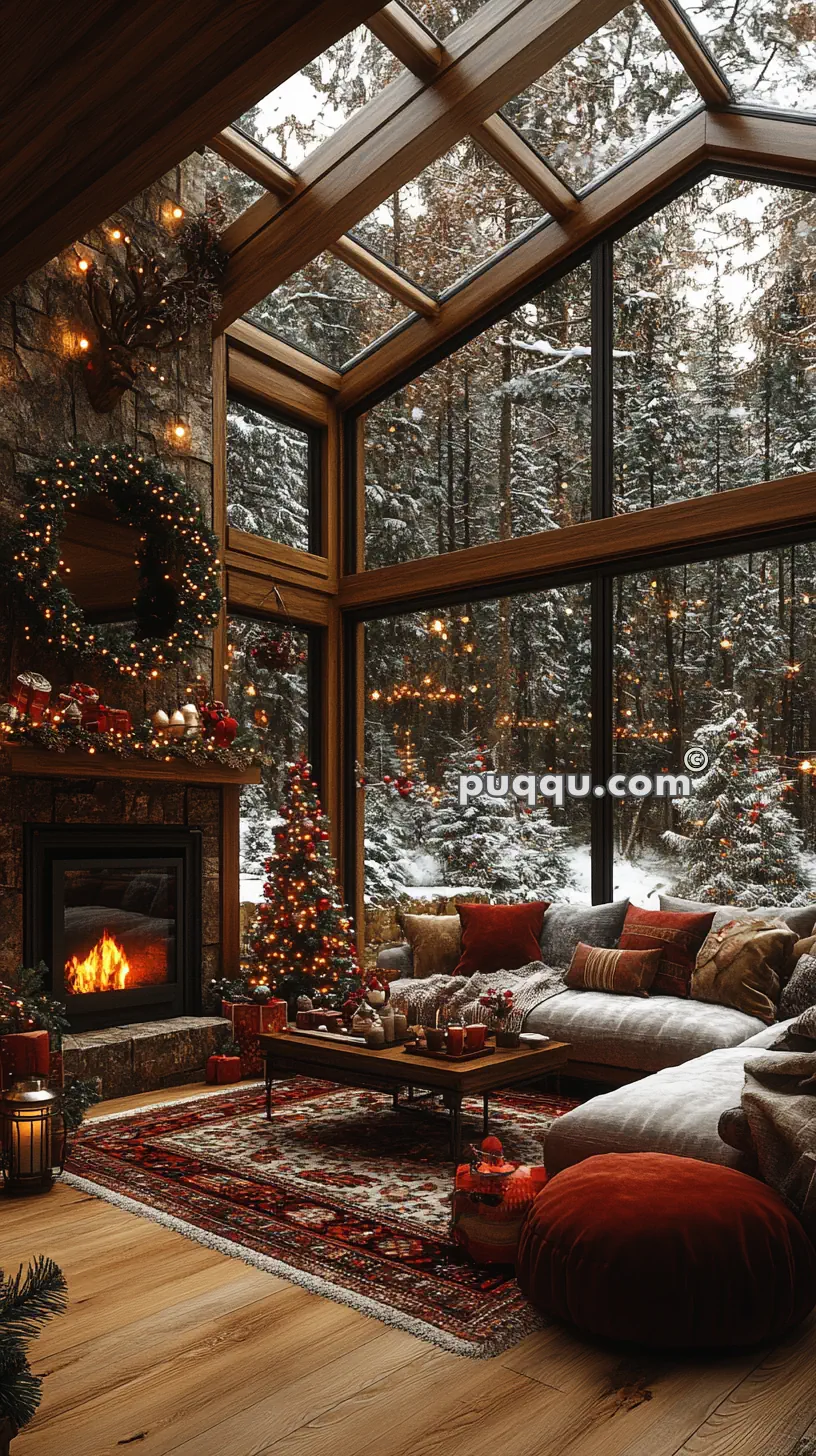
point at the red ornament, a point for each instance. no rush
(276, 652)
(323, 902)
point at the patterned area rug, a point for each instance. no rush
(338, 1192)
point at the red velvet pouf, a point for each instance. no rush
(666, 1251)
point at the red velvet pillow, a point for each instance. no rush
(677, 934)
(499, 937)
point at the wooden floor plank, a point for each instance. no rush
(770, 1410)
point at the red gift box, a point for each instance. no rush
(30, 696)
(99, 718)
(24, 1054)
(223, 1069)
(249, 1019)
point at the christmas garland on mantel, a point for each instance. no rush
(179, 597)
(198, 752)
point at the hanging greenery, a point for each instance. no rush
(179, 597)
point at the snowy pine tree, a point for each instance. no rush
(491, 844)
(741, 846)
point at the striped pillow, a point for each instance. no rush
(623, 972)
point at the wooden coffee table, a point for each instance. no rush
(286, 1054)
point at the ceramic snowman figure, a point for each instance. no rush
(378, 996)
(362, 1019)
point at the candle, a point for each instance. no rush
(400, 1026)
(456, 1040)
(435, 1038)
(475, 1036)
(375, 1035)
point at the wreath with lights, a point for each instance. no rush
(179, 596)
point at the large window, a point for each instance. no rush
(272, 471)
(499, 685)
(492, 443)
(696, 647)
(715, 351)
(268, 686)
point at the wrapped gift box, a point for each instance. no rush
(313, 1020)
(30, 696)
(248, 1021)
(491, 1200)
(222, 1070)
(24, 1054)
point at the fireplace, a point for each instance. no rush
(115, 913)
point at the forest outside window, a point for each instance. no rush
(721, 654)
(273, 473)
(715, 357)
(605, 99)
(501, 685)
(268, 685)
(492, 443)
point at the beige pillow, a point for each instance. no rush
(804, 947)
(434, 940)
(741, 964)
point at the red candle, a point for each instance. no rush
(456, 1040)
(475, 1036)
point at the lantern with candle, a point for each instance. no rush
(32, 1149)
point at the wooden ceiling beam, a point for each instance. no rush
(690, 51)
(508, 147)
(779, 143)
(97, 106)
(241, 152)
(377, 271)
(677, 153)
(424, 55)
(493, 55)
(410, 42)
(255, 162)
(684, 526)
(271, 350)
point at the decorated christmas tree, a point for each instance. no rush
(741, 846)
(494, 844)
(302, 939)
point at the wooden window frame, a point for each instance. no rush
(334, 594)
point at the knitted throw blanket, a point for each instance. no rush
(456, 998)
(779, 1102)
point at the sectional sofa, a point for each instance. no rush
(675, 1064)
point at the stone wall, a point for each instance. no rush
(43, 407)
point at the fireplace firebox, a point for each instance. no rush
(115, 914)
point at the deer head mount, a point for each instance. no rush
(149, 305)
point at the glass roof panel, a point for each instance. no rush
(605, 99)
(454, 216)
(300, 114)
(767, 48)
(328, 310)
(443, 16)
(236, 190)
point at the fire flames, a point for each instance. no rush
(105, 968)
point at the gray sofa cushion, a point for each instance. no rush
(642, 1033)
(676, 1111)
(397, 960)
(800, 918)
(565, 925)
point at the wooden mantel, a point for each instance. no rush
(41, 763)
